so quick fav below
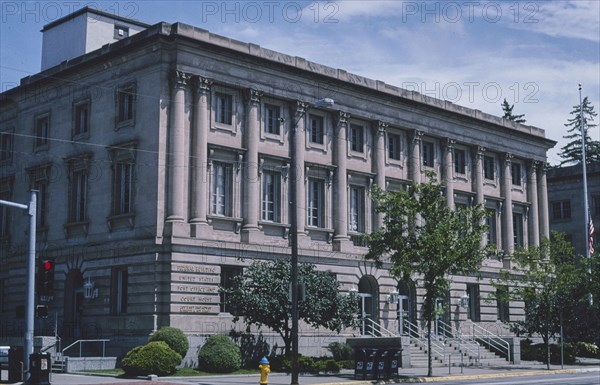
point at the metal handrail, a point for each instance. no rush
(422, 339)
(375, 329)
(462, 340)
(493, 340)
(80, 342)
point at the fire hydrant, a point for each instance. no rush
(265, 369)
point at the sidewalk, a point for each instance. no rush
(346, 377)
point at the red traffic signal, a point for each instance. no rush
(45, 277)
(47, 264)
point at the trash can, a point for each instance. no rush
(383, 365)
(360, 358)
(394, 358)
(15, 364)
(40, 365)
(370, 362)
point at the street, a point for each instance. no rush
(592, 378)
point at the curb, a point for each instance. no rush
(466, 377)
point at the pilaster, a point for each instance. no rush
(507, 220)
(340, 187)
(534, 214)
(449, 172)
(415, 157)
(380, 165)
(543, 200)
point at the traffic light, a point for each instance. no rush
(41, 311)
(45, 275)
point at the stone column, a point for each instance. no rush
(340, 186)
(298, 164)
(415, 156)
(449, 172)
(200, 152)
(534, 214)
(380, 165)
(176, 155)
(507, 215)
(479, 199)
(479, 153)
(543, 201)
(251, 181)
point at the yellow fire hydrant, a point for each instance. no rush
(265, 369)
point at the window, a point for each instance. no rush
(316, 201)
(596, 200)
(121, 32)
(118, 293)
(357, 209)
(125, 104)
(502, 304)
(488, 167)
(316, 129)
(123, 187)
(228, 273)
(516, 173)
(6, 146)
(473, 311)
(81, 119)
(272, 119)
(223, 108)
(491, 223)
(394, 146)
(77, 195)
(428, 155)
(42, 131)
(356, 138)
(518, 229)
(460, 162)
(561, 210)
(222, 189)
(270, 196)
(42, 202)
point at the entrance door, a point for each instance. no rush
(71, 328)
(368, 290)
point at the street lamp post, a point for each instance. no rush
(294, 236)
(463, 302)
(30, 293)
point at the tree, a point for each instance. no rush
(544, 278)
(508, 114)
(260, 297)
(571, 152)
(424, 238)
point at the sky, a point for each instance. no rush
(472, 53)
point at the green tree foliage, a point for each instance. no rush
(508, 114)
(153, 358)
(544, 278)
(173, 337)
(219, 354)
(260, 297)
(571, 152)
(422, 237)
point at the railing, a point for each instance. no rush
(493, 341)
(421, 339)
(81, 342)
(374, 329)
(464, 343)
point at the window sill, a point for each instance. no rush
(124, 124)
(236, 222)
(121, 221)
(74, 229)
(284, 226)
(329, 232)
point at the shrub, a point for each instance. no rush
(586, 349)
(153, 358)
(332, 366)
(219, 355)
(280, 363)
(341, 351)
(173, 337)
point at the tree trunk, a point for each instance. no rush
(429, 363)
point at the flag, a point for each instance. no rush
(591, 232)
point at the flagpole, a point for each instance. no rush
(585, 194)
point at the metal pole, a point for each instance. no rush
(585, 194)
(30, 302)
(294, 259)
(562, 341)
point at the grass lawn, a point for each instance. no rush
(181, 372)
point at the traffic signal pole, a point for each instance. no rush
(30, 297)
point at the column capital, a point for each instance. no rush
(449, 144)
(417, 136)
(342, 118)
(508, 158)
(533, 165)
(253, 96)
(381, 127)
(180, 79)
(202, 84)
(301, 108)
(480, 151)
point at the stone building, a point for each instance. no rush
(565, 196)
(162, 156)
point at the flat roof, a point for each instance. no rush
(88, 9)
